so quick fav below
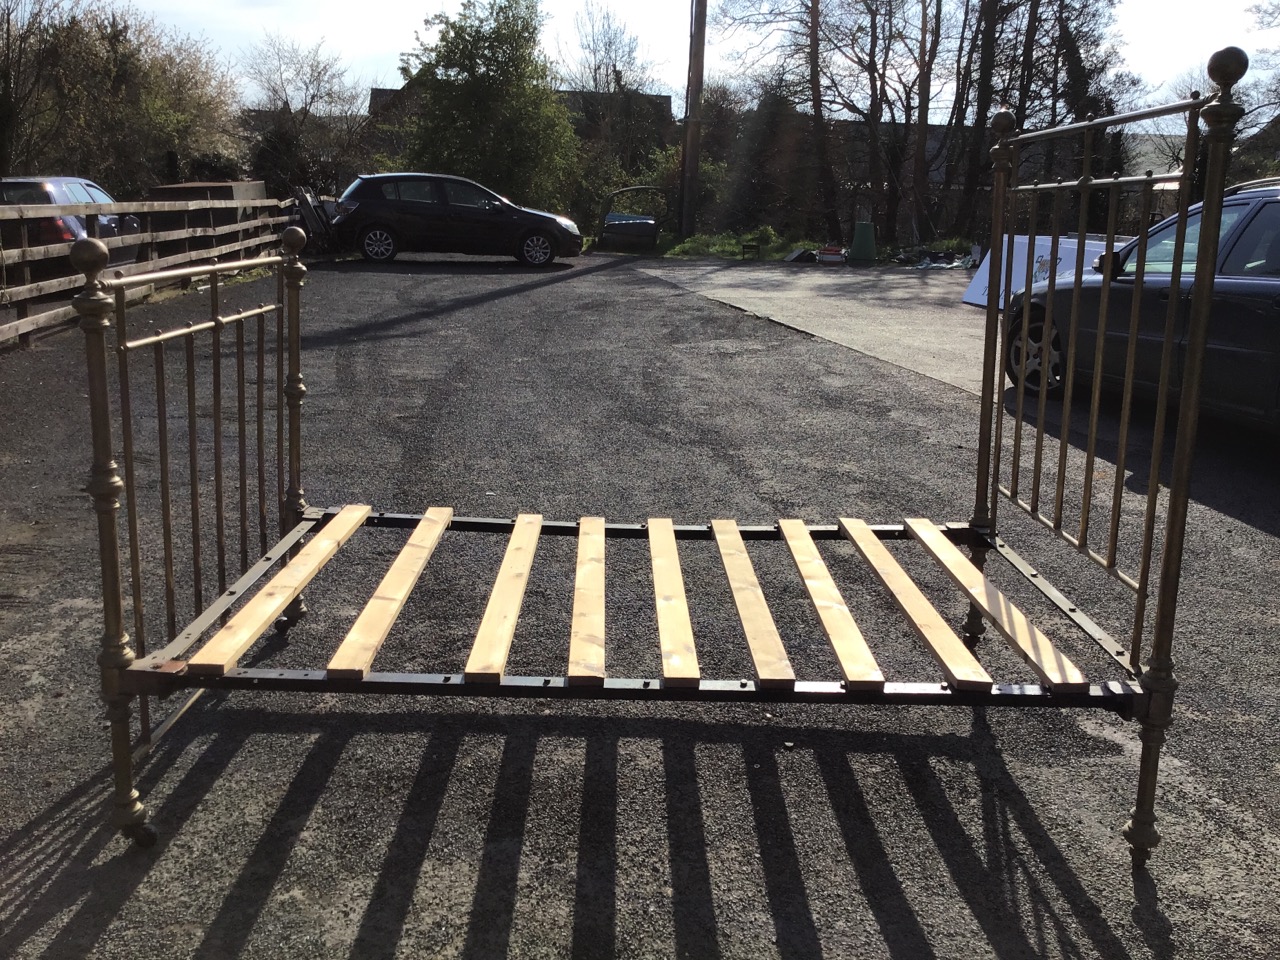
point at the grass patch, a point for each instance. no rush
(728, 246)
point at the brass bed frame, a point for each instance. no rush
(259, 510)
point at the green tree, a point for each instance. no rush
(485, 104)
(107, 93)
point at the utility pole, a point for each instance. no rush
(693, 119)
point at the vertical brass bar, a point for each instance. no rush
(1185, 183)
(1046, 343)
(1226, 68)
(261, 437)
(131, 504)
(1003, 351)
(219, 492)
(166, 507)
(193, 441)
(93, 304)
(1099, 353)
(1130, 360)
(1002, 124)
(295, 390)
(1015, 465)
(280, 402)
(991, 411)
(242, 440)
(1085, 184)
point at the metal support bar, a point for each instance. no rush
(1116, 696)
(959, 532)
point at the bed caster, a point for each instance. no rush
(142, 834)
(292, 614)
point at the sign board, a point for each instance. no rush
(1065, 266)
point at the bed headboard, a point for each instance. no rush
(1049, 192)
(209, 425)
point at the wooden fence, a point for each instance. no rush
(37, 280)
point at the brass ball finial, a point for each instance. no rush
(293, 240)
(90, 257)
(1228, 66)
(1003, 121)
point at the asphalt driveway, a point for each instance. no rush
(407, 828)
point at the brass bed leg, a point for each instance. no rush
(94, 304)
(1141, 832)
(975, 624)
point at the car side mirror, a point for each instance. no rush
(1107, 265)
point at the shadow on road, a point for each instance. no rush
(70, 880)
(393, 327)
(1235, 467)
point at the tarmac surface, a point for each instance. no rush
(292, 827)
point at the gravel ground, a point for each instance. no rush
(300, 828)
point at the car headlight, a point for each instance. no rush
(568, 225)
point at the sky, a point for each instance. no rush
(1160, 39)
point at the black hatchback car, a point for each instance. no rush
(384, 214)
(1241, 378)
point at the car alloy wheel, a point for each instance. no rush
(377, 244)
(1043, 364)
(536, 250)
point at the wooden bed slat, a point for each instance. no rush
(355, 655)
(1027, 641)
(586, 636)
(773, 669)
(675, 631)
(228, 645)
(857, 665)
(961, 668)
(498, 627)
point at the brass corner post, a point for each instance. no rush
(1002, 125)
(94, 306)
(1226, 68)
(295, 390)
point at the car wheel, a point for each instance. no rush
(1043, 367)
(378, 244)
(536, 250)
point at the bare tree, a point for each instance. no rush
(608, 57)
(306, 116)
(792, 31)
